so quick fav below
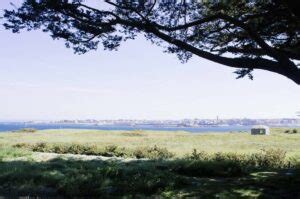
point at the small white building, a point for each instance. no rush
(260, 130)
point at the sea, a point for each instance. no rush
(14, 126)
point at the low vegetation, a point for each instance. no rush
(149, 168)
(271, 158)
(179, 143)
(217, 176)
(294, 131)
(26, 130)
(12, 153)
(108, 151)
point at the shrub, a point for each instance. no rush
(206, 168)
(121, 152)
(239, 159)
(41, 147)
(295, 131)
(202, 155)
(152, 153)
(228, 164)
(27, 130)
(134, 133)
(91, 150)
(110, 150)
(75, 149)
(22, 145)
(58, 149)
(271, 158)
(287, 131)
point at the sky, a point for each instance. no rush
(40, 79)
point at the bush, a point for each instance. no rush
(135, 133)
(221, 164)
(58, 149)
(202, 155)
(152, 153)
(294, 131)
(287, 131)
(91, 150)
(113, 150)
(271, 158)
(206, 168)
(22, 145)
(41, 147)
(74, 149)
(27, 130)
(109, 151)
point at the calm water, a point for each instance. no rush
(16, 126)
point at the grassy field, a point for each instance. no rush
(173, 164)
(179, 143)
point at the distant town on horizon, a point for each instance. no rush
(179, 123)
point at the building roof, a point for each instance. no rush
(260, 127)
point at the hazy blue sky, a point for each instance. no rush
(41, 79)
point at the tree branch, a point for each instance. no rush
(291, 71)
(127, 8)
(257, 51)
(150, 10)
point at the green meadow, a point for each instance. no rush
(180, 143)
(76, 163)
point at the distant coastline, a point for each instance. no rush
(13, 126)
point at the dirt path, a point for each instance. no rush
(39, 157)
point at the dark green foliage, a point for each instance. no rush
(41, 147)
(113, 150)
(144, 178)
(66, 148)
(198, 174)
(22, 145)
(26, 130)
(108, 151)
(294, 131)
(135, 133)
(85, 178)
(152, 153)
(201, 164)
(272, 158)
(195, 155)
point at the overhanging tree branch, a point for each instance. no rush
(254, 37)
